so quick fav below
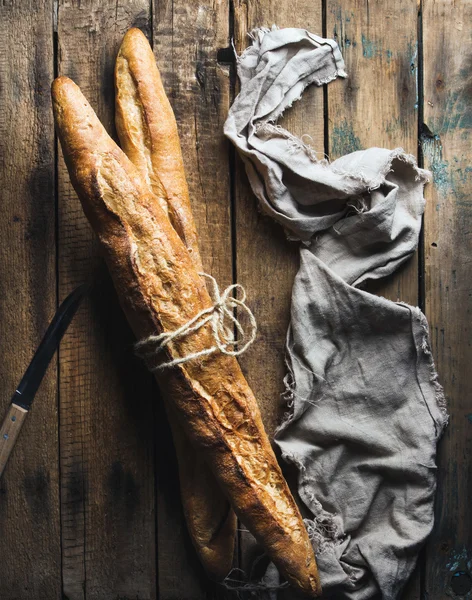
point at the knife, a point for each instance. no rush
(29, 384)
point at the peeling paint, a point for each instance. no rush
(344, 140)
(458, 559)
(449, 177)
(369, 48)
(464, 174)
(458, 113)
(412, 52)
(393, 126)
(459, 583)
(432, 150)
(455, 93)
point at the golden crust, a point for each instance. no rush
(210, 519)
(160, 290)
(148, 134)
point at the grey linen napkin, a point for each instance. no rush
(365, 407)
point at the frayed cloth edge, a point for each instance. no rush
(323, 531)
(399, 153)
(296, 143)
(439, 395)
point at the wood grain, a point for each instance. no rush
(446, 141)
(187, 37)
(29, 494)
(9, 432)
(377, 104)
(106, 395)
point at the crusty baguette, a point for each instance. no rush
(148, 134)
(160, 290)
(211, 521)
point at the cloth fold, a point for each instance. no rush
(365, 409)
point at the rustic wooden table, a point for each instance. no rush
(89, 503)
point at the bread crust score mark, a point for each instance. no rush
(148, 133)
(160, 290)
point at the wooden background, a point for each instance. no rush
(89, 503)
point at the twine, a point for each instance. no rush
(220, 316)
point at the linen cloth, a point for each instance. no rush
(365, 408)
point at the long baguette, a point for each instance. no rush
(160, 290)
(148, 134)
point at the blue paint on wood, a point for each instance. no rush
(369, 48)
(432, 150)
(412, 52)
(394, 126)
(344, 140)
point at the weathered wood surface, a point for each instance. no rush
(377, 105)
(89, 506)
(29, 488)
(106, 396)
(446, 142)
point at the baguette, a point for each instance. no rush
(211, 522)
(148, 134)
(160, 291)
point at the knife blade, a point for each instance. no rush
(31, 380)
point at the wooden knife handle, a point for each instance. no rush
(9, 431)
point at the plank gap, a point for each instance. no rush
(419, 85)
(324, 33)
(55, 46)
(233, 82)
(421, 565)
(29, 509)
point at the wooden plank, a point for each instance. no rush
(266, 263)
(187, 37)
(29, 488)
(446, 140)
(106, 395)
(377, 106)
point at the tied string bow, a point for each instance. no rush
(221, 317)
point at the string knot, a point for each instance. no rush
(223, 323)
